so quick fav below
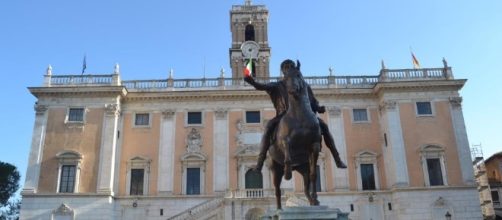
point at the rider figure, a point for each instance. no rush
(279, 96)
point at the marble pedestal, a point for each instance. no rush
(306, 212)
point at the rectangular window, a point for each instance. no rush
(253, 117)
(76, 115)
(368, 177)
(142, 119)
(424, 108)
(67, 179)
(194, 118)
(137, 181)
(495, 196)
(434, 170)
(193, 181)
(360, 114)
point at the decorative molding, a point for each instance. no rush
(194, 141)
(112, 109)
(40, 109)
(440, 202)
(221, 113)
(388, 105)
(456, 102)
(63, 210)
(334, 111)
(168, 113)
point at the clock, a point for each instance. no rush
(250, 49)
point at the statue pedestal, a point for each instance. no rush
(306, 212)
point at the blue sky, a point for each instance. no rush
(147, 38)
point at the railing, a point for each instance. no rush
(194, 212)
(386, 75)
(252, 193)
(416, 74)
(68, 80)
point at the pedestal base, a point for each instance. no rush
(306, 212)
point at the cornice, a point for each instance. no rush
(78, 91)
(429, 85)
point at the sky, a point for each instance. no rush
(148, 38)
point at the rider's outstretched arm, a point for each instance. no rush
(259, 86)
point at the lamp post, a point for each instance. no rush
(448, 215)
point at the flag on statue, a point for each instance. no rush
(416, 64)
(248, 69)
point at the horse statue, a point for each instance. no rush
(297, 139)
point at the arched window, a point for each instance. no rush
(69, 171)
(254, 179)
(249, 33)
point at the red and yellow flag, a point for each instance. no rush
(416, 64)
(248, 69)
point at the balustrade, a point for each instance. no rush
(386, 75)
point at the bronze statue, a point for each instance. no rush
(289, 152)
(279, 97)
(298, 140)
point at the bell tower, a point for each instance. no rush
(249, 23)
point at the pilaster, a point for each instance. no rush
(166, 152)
(36, 150)
(220, 151)
(108, 149)
(336, 127)
(464, 153)
(392, 118)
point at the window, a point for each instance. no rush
(367, 177)
(137, 178)
(194, 118)
(68, 171)
(75, 115)
(194, 169)
(249, 33)
(433, 165)
(253, 117)
(424, 108)
(434, 170)
(360, 115)
(67, 180)
(138, 172)
(142, 119)
(193, 181)
(495, 196)
(367, 171)
(254, 179)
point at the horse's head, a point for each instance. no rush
(294, 81)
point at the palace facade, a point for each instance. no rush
(106, 148)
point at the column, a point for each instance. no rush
(166, 152)
(220, 151)
(397, 157)
(336, 127)
(464, 153)
(108, 149)
(36, 150)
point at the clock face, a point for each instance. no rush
(250, 49)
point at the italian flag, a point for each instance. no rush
(248, 69)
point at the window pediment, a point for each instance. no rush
(69, 154)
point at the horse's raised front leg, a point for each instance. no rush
(313, 172)
(277, 171)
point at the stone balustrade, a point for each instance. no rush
(252, 193)
(386, 75)
(197, 210)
